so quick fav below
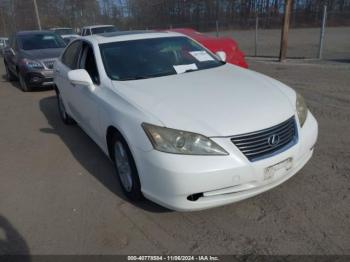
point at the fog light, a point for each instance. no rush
(35, 79)
(195, 197)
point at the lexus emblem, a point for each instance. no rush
(273, 140)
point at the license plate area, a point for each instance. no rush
(279, 169)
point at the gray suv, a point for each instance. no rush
(30, 57)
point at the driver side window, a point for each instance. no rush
(88, 63)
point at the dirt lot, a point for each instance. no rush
(302, 43)
(58, 194)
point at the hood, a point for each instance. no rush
(222, 101)
(40, 54)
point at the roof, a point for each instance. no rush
(119, 33)
(96, 26)
(128, 35)
(59, 28)
(34, 32)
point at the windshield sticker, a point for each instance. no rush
(48, 37)
(185, 68)
(201, 56)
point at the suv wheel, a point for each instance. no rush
(23, 84)
(9, 75)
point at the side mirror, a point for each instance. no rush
(221, 55)
(80, 77)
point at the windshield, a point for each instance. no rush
(106, 29)
(147, 58)
(40, 41)
(64, 31)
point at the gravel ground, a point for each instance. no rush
(302, 42)
(58, 194)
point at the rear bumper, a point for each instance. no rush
(169, 179)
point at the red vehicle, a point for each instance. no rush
(233, 54)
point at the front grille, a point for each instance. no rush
(49, 63)
(267, 142)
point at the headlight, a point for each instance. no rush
(32, 64)
(301, 109)
(181, 142)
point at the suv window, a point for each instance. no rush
(71, 55)
(40, 40)
(88, 63)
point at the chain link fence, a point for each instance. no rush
(261, 35)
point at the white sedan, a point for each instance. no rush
(183, 128)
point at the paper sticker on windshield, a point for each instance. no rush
(183, 68)
(201, 56)
(48, 37)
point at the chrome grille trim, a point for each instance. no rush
(255, 145)
(49, 63)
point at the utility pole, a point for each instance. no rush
(324, 19)
(256, 35)
(37, 14)
(3, 21)
(285, 29)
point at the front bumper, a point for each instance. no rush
(39, 78)
(171, 180)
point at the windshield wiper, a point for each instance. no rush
(133, 78)
(150, 76)
(190, 70)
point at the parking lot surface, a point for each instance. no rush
(59, 195)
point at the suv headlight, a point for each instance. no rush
(181, 142)
(301, 109)
(32, 64)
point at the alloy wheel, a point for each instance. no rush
(123, 166)
(23, 83)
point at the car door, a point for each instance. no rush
(87, 97)
(68, 62)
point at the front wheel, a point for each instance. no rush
(62, 111)
(126, 169)
(23, 84)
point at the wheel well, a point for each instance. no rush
(111, 133)
(56, 89)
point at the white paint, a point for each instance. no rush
(217, 103)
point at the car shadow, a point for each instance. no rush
(11, 241)
(88, 153)
(15, 84)
(344, 60)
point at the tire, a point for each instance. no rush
(9, 75)
(62, 111)
(22, 83)
(126, 170)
